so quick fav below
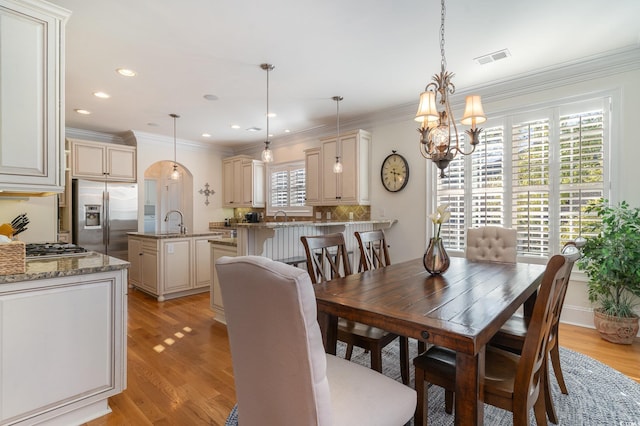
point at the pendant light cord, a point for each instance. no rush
(175, 116)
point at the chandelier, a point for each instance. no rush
(175, 174)
(337, 166)
(267, 154)
(439, 141)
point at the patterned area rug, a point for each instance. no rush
(598, 394)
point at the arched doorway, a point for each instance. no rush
(161, 195)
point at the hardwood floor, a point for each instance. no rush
(180, 372)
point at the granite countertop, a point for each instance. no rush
(225, 241)
(65, 266)
(313, 223)
(164, 235)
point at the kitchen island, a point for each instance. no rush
(63, 340)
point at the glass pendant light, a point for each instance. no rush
(175, 174)
(337, 166)
(267, 154)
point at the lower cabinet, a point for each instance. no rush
(63, 348)
(217, 251)
(169, 267)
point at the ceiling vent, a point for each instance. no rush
(492, 57)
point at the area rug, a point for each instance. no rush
(598, 394)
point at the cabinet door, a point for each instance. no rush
(247, 184)
(87, 160)
(238, 187)
(30, 58)
(258, 183)
(330, 180)
(313, 164)
(134, 248)
(227, 183)
(202, 266)
(149, 279)
(348, 190)
(176, 266)
(121, 163)
(217, 251)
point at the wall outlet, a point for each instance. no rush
(382, 212)
(328, 215)
(350, 215)
(319, 215)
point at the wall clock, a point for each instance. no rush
(394, 172)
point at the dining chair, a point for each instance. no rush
(374, 254)
(327, 259)
(282, 374)
(511, 382)
(492, 243)
(512, 334)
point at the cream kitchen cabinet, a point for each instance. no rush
(31, 96)
(243, 182)
(217, 251)
(313, 171)
(169, 267)
(352, 186)
(97, 160)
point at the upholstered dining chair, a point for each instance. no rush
(491, 243)
(282, 374)
(327, 259)
(512, 335)
(511, 382)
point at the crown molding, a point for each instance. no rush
(136, 135)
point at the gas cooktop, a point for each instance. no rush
(43, 250)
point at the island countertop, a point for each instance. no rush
(262, 225)
(166, 235)
(64, 266)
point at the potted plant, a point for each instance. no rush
(611, 260)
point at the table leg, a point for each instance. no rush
(529, 303)
(329, 329)
(469, 389)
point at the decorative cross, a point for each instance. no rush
(206, 191)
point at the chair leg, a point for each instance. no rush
(555, 360)
(420, 417)
(349, 352)
(404, 359)
(539, 410)
(448, 401)
(546, 389)
(376, 360)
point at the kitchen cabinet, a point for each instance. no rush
(97, 160)
(217, 251)
(313, 172)
(352, 186)
(31, 96)
(170, 267)
(243, 182)
(63, 346)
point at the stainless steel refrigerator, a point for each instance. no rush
(103, 214)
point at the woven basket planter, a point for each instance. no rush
(12, 258)
(616, 329)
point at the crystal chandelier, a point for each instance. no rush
(439, 140)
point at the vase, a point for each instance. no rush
(436, 259)
(616, 329)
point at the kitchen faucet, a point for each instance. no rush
(275, 216)
(183, 229)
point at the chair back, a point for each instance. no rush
(534, 351)
(279, 364)
(326, 257)
(374, 253)
(492, 243)
(571, 254)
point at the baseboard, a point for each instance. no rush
(578, 315)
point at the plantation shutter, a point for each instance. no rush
(451, 191)
(297, 187)
(487, 179)
(279, 188)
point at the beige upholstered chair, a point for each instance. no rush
(281, 371)
(327, 259)
(511, 382)
(491, 243)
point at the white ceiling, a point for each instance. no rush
(377, 54)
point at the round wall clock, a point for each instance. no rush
(394, 172)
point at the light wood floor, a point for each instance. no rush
(180, 372)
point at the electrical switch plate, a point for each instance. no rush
(318, 215)
(170, 248)
(328, 215)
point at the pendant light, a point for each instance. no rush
(337, 167)
(267, 154)
(175, 174)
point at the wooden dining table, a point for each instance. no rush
(461, 309)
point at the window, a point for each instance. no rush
(534, 172)
(286, 189)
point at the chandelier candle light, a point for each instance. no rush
(175, 174)
(439, 140)
(337, 167)
(267, 154)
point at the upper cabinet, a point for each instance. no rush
(243, 182)
(31, 96)
(313, 181)
(351, 187)
(96, 160)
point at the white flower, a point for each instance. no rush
(441, 216)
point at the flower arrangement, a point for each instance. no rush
(441, 216)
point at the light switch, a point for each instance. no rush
(170, 248)
(319, 215)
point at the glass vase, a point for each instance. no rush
(436, 259)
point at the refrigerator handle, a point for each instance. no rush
(107, 220)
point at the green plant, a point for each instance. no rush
(611, 259)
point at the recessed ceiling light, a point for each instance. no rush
(101, 95)
(272, 114)
(287, 130)
(126, 72)
(254, 129)
(82, 111)
(235, 126)
(210, 97)
(206, 135)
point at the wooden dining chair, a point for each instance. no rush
(512, 335)
(492, 243)
(282, 374)
(327, 259)
(511, 382)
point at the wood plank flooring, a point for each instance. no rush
(180, 371)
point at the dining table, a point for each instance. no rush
(461, 309)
